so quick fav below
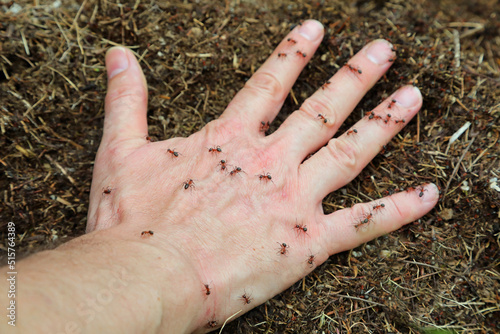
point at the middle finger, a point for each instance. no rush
(320, 116)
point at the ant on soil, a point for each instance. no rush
(353, 69)
(350, 132)
(145, 234)
(325, 85)
(264, 126)
(188, 184)
(215, 149)
(322, 117)
(283, 248)
(300, 53)
(247, 299)
(236, 170)
(291, 40)
(173, 152)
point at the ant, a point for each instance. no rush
(283, 248)
(235, 171)
(397, 121)
(378, 206)
(207, 288)
(310, 260)
(173, 152)
(107, 191)
(372, 115)
(189, 183)
(321, 116)
(147, 234)
(266, 177)
(388, 118)
(148, 138)
(300, 228)
(325, 85)
(391, 60)
(391, 103)
(222, 164)
(264, 126)
(353, 69)
(212, 324)
(246, 299)
(215, 149)
(291, 40)
(350, 132)
(281, 55)
(421, 189)
(300, 53)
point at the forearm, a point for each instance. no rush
(102, 282)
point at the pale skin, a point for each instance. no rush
(216, 244)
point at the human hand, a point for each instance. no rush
(230, 226)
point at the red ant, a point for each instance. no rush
(321, 116)
(246, 299)
(325, 85)
(173, 152)
(391, 60)
(264, 126)
(350, 132)
(291, 40)
(397, 121)
(148, 138)
(215, 149)
(281, 55)
(388, 118)
(378, 206)
(212, 324)
(300, 228)
(147, 234)
(235, 171)
(266, 177)
(189, 183)
(223, 165)
(300, 53)
(391, 103)
(353, 69)
(107, 191)
(372, 115)
(310, 260)
(422, 189)
(283, 248)
(207, 288)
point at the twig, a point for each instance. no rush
(457, 167)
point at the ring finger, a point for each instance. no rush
(319, 117)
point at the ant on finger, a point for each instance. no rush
(291, 40)
(401, 120)
(322, 117)
(247, 299)
(107, 191)
(283, 248)
(264, 126)
(223, 165)
(145, 234)
(301, 228)
(378, 206)
(215, 149)
(265, 177)
(300, 53)
(236, 170)
(391, 103)
(350, 132)
(188, 184)
(281, 55)
(173, 153)
(310, 260)
(353, 69)
(207, 289)
(325, 85)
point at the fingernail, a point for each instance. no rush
(430, 193)
(379, 51)
(408, 96)
(311, 29)
(116, 61)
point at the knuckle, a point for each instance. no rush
(266, 83)
(126, 95)
(343, 153)
(317, 105)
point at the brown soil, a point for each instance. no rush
(440, 272)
